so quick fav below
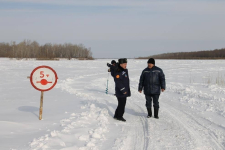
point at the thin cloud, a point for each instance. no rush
(172, 6)
(22, 10)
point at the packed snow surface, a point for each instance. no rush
(78, 114)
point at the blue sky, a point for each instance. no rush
(118, 28)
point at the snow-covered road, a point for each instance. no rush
(79, 115)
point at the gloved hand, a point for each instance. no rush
(109, 70)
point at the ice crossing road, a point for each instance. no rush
(191, 115)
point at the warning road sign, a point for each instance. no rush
(43, 78)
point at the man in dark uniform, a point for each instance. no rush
(122, 81)
(153, 81)
(112, 67)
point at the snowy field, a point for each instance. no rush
(78, 115)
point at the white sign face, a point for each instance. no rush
(43, 78)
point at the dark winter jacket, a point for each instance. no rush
(152, 80)
(112, 69)
(122, 81)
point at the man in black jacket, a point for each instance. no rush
(122, 81)
(153, 81)
(112, 67)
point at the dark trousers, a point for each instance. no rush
(121, 107)
(149, 99)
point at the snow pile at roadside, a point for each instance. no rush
(81, 131)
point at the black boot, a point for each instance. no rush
(156, 111)
(121, 119)
(149, 112)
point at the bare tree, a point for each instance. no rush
(211, 54)
(32, 49)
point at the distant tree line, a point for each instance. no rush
(32, 49)
(211, 54)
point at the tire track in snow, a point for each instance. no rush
(199, 132)
(154, 135)
(141, 130)
(195, 129)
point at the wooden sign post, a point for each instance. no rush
(41, 106)
(43, 78)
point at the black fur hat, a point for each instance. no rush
(122, 60)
